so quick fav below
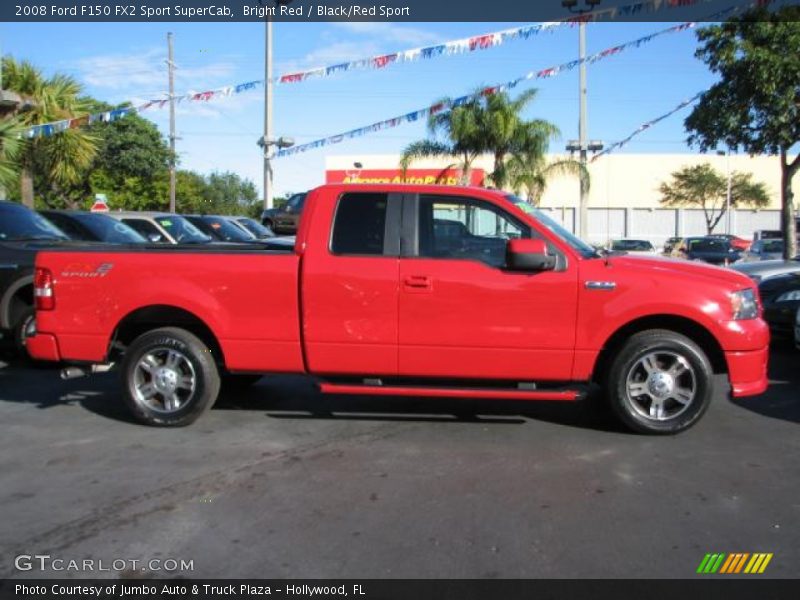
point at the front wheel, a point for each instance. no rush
(660, 382)
(170, 377)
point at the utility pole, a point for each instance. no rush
(171, 70)
(583, 142)
(584, 193)
(267, 114)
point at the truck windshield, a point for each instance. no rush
(18, 223)
(183, 231)
(575, 242)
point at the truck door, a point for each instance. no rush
(463, 314)
(349, 288)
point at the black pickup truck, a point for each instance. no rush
(23, 233)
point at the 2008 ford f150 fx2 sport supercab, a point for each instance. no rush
(407, 290)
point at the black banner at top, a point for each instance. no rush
(378, 10)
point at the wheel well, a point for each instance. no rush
(22, 299)
(691, 329)
(148, 318)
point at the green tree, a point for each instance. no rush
(755, 105)
(506, 133)
(130, 147)
(531, 172)
(62, 157)
(703, 186)
(460, 126)
(10, 145)
(227, 193)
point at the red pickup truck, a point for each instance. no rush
(406, 290)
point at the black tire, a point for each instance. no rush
(166, 350)
(674, 377)
(24, 320)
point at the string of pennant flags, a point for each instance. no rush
(460, 46)
(471, 44)
(488, 91)
(645, 126)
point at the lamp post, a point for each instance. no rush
(583, 147)
(267, 144)
(572, 6)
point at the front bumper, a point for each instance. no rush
(43, 346)
(748, 372)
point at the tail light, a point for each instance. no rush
(43, 292)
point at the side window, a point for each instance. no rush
(463, 228)
(145, 228)
(360, 224)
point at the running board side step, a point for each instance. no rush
(449, 392)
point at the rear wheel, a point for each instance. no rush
(660, 382)
(170, 377)
(23, 328)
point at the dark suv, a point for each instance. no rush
(23, 233)
(286, 218)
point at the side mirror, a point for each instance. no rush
(529, 255)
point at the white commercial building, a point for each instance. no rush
(623, 197)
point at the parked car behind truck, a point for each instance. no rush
(375, 299)
(22, 234)
(285, 219)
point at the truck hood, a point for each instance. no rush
(672, 267)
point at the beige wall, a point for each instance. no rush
(617, 180)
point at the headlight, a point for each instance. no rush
(792, 296)
(744, 304)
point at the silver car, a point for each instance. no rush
(764, 269)
(162, 228)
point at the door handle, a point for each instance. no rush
(418, 282)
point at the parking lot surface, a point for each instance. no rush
(281, 482)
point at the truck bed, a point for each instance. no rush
(248, 294)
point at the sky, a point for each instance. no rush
(119, 62)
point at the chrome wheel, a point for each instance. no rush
(661, 385)
(164, 380)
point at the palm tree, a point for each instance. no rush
(461, 127)
(10, 144)
(61, 157)
(531, 171)
(507, 133)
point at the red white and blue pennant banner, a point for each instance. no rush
(471, 44)
(430, 110)
(645, 126)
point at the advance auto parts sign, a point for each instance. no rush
(416, 176)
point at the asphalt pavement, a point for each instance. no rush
(281, 482)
